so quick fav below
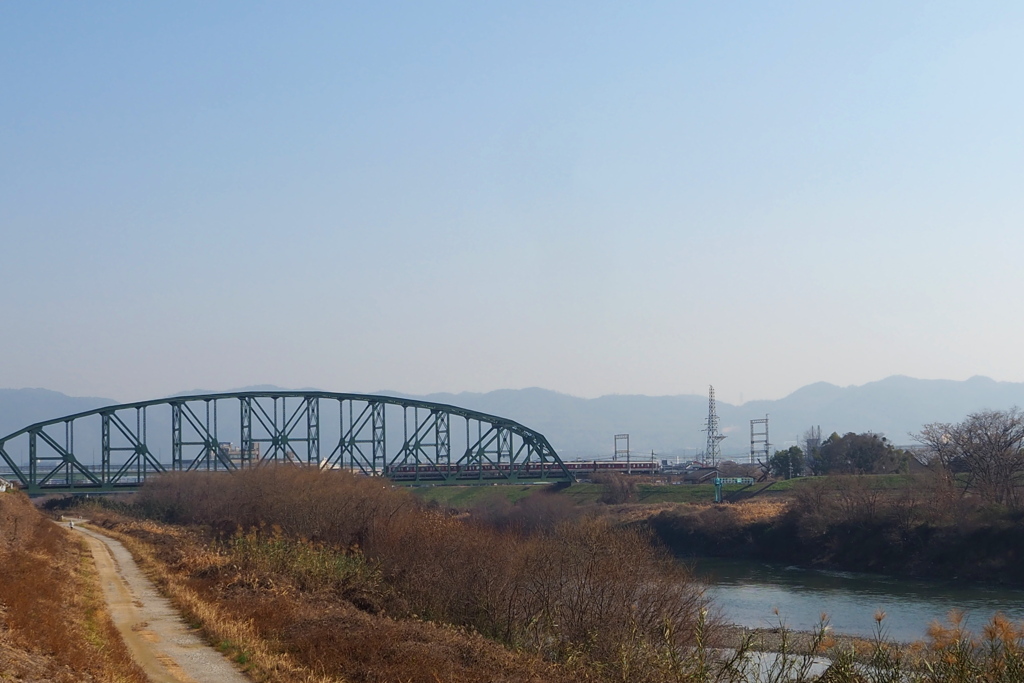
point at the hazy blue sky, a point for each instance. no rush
(588, 197)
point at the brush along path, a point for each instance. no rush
(152, 629)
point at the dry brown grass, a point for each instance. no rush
(53, 622)
(327, 567)
(752, 511)
(631, 513)
(285, 604)
(170, 556)
(749, 511)
(284, 634)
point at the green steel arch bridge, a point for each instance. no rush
(117, 447)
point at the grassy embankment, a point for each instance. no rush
(307, 575)
(310, 576)
(53, 623)
(912, 525)
(465, 497)
(646, 493)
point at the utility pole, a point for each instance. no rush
(759, 440)
(622, 450)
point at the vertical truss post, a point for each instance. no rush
(105, 448)
(212, 446)
(69, 451)
(343, 442)
(176, 464)
(504, 444)
(140, 444)
(442, 439)
(275, 438)
(469, 455)
(210, 455)
(269, 423)
(405, 440)
(211, 449)
(377, 437)
(245, 415)
(312, 430)
(33, 461)
(478, 453)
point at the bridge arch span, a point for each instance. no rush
(117, 447)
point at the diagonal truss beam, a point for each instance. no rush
(140, 458)
(427, 446)
(282, 427)
(210, 452)
(362, 444)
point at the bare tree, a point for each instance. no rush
(986, 449)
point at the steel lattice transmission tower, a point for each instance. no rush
(713, 452)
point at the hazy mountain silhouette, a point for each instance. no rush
(669, 425)
(672, 425)
(23, 407)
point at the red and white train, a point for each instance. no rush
(576, 467)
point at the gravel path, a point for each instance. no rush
(162, 644)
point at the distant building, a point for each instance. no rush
(227, 450)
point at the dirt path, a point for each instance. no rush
(162, 644)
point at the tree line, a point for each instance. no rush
(851, 453)
(981, 455)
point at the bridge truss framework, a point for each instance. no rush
(403, 439)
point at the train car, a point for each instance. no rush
(427, 470)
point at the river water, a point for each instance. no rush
(748, 592)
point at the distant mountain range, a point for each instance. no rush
(671, 425)
(668, 425)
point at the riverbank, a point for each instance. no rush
(843, 524)
(900, 525)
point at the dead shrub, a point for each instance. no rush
(618, 488)
(540, 511)
(568, 588)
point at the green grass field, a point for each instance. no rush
(464, 497)
(467, 496)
